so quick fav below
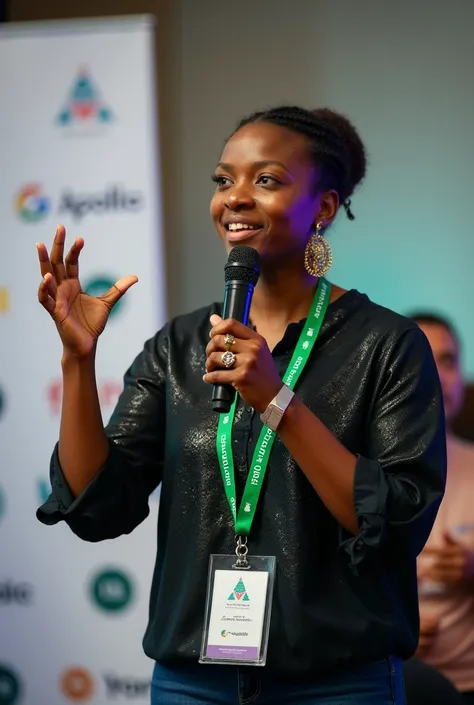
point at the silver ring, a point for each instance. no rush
(228, 359)
(229, 340)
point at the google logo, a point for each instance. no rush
(31, 204)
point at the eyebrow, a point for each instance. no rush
(259, 165)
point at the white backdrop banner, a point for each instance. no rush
(78, 146)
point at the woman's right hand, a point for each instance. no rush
(79, 318)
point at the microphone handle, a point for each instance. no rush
(237, 300)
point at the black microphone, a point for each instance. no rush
(241, 274)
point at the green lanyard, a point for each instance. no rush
(243, 519)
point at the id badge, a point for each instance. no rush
(238, 610)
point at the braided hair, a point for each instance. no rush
(335, 145)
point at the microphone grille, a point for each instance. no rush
(243, 264)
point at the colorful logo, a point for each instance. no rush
(77, 684)
(239, 592)
(10, 688)
(4, 299)
(84, 104)
(98, 286)
(112, 590)
(224, 633)
(31, 204)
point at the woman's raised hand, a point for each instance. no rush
(79, 318)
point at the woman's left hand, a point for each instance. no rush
(253, 373)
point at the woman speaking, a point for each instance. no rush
(290, 524)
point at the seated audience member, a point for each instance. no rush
(446, 565)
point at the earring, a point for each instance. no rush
(318, 255)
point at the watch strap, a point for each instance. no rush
(273, 414)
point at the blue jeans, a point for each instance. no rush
(377, 684)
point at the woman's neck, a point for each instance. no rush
(282, 297)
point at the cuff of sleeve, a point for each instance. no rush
(370, 499)
(61, 502)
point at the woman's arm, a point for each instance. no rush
(115, 500)
(328, 465)
(390, 497)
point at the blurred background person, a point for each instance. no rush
(446, 565)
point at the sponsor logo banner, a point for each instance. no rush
(10, 686)
(112, 590)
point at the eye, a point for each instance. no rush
(221, 181)
(266, 180)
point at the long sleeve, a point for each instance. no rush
(116, 500)
(398, 487)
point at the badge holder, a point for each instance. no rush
(238, 608)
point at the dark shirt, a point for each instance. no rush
(340, 600)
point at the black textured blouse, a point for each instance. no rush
(340, 600)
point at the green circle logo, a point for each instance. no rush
(9, 686)
(98, 286)
(112, 590)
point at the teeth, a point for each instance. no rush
(241, 226)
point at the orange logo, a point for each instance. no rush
(77, 684)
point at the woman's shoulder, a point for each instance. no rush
(369, 321)
(370, 314)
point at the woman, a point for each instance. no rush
(357, 468)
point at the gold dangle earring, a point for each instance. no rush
(318, 255)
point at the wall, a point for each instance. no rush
(402, 72)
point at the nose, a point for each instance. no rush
(238, 197)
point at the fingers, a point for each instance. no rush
(443, 565)
(45, 293)
(72, 259)
(446, 573)
(214, 361)
(45, 266)
(57, 252)
(218, 343)
(428, 628)
(223, 376)
(424, 643)
(446, 555)
(428, 623)
(230, 325)
(447, 551)
(118, 289)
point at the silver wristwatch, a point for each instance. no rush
(272, 415)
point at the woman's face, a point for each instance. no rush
(266, 195)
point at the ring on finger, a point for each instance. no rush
(229, 341)
(228, 359)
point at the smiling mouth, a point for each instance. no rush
(241, 226)
(241, 229)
